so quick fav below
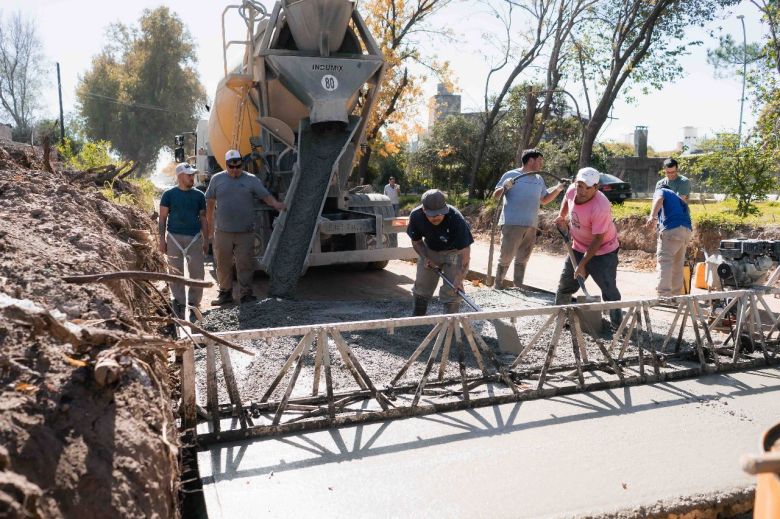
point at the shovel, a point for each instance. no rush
(506, 333)
(591, 318)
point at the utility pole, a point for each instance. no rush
(62, 118)
(744, 74)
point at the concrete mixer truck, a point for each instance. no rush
(297, 108)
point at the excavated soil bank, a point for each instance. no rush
(75, 444)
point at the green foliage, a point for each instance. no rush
(143, 87)
(89, 155)
(746, 174)
(445, 156)
(141, 194)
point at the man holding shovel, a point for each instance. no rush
(522, 193)
(588, 215)
(442, 239)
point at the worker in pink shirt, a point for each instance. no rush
(588, 215)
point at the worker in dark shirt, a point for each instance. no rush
(442, 238)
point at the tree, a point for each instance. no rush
(445, 157)
(396, 24)
(636, 40)
(746, 173)
(20, 72)
(143, 87)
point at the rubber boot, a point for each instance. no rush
(500, 273)
(452, 308)
(420, 306)
(519, 275)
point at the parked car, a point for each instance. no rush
(614, 189)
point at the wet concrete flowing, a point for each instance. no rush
(318, 152)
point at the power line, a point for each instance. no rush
(143, 106)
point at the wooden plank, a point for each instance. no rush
(317, 365)
(230, 384)
(651, 347)
(614, 365)
(678, 344)
(323, 339)
(498, 366)
(759, 324)
(627, 319)
(291, 384)
(671, 328)
(769, 311)
(640, 351)
(189, 411)
(474, 350)
(706, 331)
(533, 341)
(445, 354)
(303, 343)
(551, 350)
(424, 344)
(461, 359)
(350, 366)
(212, 397)
(738, 330)
(699, 351)
(577, 343)
(379, 397)
(629, 330)
(431, 358)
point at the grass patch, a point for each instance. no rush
(718, 214)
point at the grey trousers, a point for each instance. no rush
(194, 265)
(603, 270)
(427, 279)
(517, 241)
(670, 253)
(238, 245)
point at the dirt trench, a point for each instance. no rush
(73, 444)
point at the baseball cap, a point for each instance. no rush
(588, 175)
(185, 168)
(232, 155)
(670, 163)
(434, 203)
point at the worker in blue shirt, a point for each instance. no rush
(673, 218)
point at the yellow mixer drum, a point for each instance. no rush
(233, 117)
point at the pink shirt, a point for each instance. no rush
(592, 217)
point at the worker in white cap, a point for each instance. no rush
(588, 215)
(230, 196)
(182, 229)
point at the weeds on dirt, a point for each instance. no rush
(143, 197)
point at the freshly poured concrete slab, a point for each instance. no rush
(585, 454)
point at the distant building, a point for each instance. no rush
(640, 170)
(441, 105)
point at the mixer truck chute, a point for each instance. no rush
(296, 108)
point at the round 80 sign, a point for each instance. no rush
(329, 82)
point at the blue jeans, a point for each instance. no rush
(395, 209)
(603, 270)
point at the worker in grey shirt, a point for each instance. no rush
(231, 195)
(523, 193)
(674, 181)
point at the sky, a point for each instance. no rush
(73, 31)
